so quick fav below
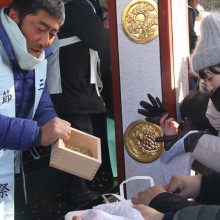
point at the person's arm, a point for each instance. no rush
(207, 151)
(186, 186)
(192, 34)
(199, 212)
(23, 134)
(18, 133)
(161, 200)
(51, 126)
(149, 213)
(87, 25)
(45, 110)
(147, 195)
(168, 202)
(210, 190)
(174, 199)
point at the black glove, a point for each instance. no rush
(215, 97)
(153, 111)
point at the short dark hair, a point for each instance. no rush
(213, 69)
(54, 8)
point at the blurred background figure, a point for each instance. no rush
(84, 66)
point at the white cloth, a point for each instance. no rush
(6, 185)
(53, 69)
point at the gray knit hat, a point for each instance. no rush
(207, 52)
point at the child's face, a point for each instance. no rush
(212, 81)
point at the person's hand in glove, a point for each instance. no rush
(152, 111)
(215, 97)
(181, 143)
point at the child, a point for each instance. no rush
(205, 61)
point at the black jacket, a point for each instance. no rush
(192, 34)
(78, 95)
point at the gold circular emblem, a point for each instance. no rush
(140, 21)
(139, 140)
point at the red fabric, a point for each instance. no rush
(4, 3)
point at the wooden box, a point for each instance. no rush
(74, 162)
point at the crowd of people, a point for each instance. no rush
(189, 197)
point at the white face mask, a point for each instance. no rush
(213, 116)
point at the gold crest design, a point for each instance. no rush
(139, 140)
(140, 21)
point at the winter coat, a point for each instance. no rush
(192, 34)
(209, 195)
(207, 151)
(200, 212)
(78, 95)
(20, 133)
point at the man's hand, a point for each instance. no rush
(55, 129)
(154, 111)
(148, 213)
(186, 186)
(174, 136)
(146, 196)
(168, 125)
(77, 218)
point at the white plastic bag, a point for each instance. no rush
(119, 210)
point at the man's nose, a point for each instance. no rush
(45, 40)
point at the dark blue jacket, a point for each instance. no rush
(20, 133)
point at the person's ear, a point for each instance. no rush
(13, 14)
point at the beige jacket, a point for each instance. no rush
(207, 151)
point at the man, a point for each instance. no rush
(192, 13)
(83, 41)
(27, 115)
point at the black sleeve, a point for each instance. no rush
(82, 21)
(192, 34)
(168, 216)
(168, 202)
(210, 188)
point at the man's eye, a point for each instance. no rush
(40, 30)
(52, 35)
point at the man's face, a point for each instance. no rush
(38, 29)
(195, 3)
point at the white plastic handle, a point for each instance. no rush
(134, 178)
